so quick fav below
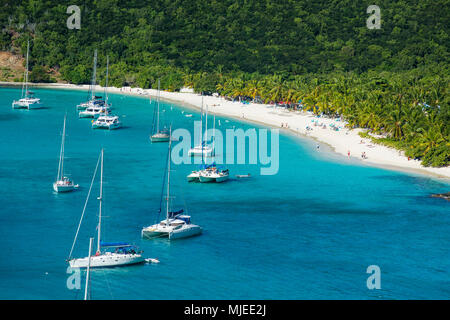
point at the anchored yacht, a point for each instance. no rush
(113, 254)
(63, 183)
(27, 101)
(176, 225)
(106, 122)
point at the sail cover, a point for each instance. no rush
(114, 244)
(174, 213)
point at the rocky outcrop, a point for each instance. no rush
(445, 196)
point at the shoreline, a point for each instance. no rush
(340, 141)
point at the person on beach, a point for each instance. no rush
(348, 154)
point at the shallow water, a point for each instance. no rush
(308, 232)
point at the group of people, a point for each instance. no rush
(363, 154)
(284, 125)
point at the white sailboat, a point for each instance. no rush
(94, 112)
(27, 100)
(63, 183)
(218, 175)
(109, 122)
(202, 149)
(159, 135)
(176, 225)
(122, 254)
(94, 100)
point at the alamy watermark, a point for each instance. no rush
(74, 280)
(258, 147)
(374, 21)
(74, 21)
(374, 280)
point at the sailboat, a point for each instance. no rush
(93, 100)
(194, 176)
(114, 254)
(202, 149)
(27, 100)
(108, 121)
(213, 173)
(159, 135)
(176, 225)
(63, 183)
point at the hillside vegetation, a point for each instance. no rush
(393, 81)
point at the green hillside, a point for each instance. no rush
(320, 52)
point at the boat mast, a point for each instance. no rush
(26, 72)
(94, 76)
(106, 85)
(213, 151)
(168, 177)
(201, 128)
(100, 206)
(61, 153)
(86, 288)
(157, 119)
(63, 147)
(206, 125)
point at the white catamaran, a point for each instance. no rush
(176, 225)
(93, 100)
(63, 183)
(202, 149)
(159, 135)
(108, 254)
(27, 100)
(109, 122)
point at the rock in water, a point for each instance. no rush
(445, 196)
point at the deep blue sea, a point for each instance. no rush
(308, 232)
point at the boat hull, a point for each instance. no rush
(172, 233)
(159, 138)
(206, 179)
(193, 177)
(63, 188)
(213, 178)
(111, 127)
(222, 178)
(198, 153)
(106, 261)
(186, 231)
(21, 105)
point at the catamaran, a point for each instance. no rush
(218, 175)
(27, 100)
(109, 122)
(176, 225)
(94, 100)
(202, 149)
(93, 112)
(159, 135)
(63, 183)
(114, 254)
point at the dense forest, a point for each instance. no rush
(393, 81)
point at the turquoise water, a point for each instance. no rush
(309, 232)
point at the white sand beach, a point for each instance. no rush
(342, 141)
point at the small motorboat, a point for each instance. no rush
(240, 176)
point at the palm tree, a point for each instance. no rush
(395, 123)
(430, 139)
